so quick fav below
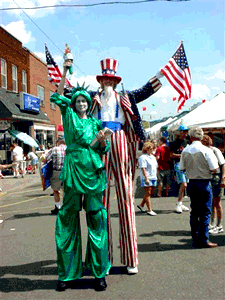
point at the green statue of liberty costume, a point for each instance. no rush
(84, 181)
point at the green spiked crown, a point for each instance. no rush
(81, 91)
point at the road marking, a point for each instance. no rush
(17, 203)
(22, 210)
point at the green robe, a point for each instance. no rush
(83, 174)
(83, 170)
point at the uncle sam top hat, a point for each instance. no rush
(109, 68)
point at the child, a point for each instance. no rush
(148, 174)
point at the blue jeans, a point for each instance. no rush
(200, 192)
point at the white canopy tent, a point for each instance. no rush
(155, 131)
(210, 114)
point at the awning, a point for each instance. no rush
(10, 108)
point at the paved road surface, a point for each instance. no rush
(169, 268)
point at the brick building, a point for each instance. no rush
(24, 97)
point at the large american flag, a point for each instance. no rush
(178, 74)
(53, 70)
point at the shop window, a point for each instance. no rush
(3, 73)
(14, 79)
(52, 105)
(41, 94)
(24, 81)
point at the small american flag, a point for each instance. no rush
(178, 74)
(53, 69)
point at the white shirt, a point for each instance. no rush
(31, 155)
(198, 160)
(219, 156)
(18, 153)
(108, 109)
(148, 162)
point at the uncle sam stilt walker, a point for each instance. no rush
(119, 112)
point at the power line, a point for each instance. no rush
(45, 34)
(88, 5)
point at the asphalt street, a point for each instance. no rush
(169, 268)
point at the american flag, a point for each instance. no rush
(178, 74)
(53, 69)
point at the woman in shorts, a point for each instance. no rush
(218, 182)
(148, 164)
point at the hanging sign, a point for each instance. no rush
(29, 102)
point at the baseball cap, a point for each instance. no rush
(182, 127)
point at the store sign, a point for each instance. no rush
(4, 124)
(29, 102)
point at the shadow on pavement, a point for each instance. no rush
(167, 233)
(42, 268)
(39, 268)
(15, 284)
(30, 215)
(158, 247)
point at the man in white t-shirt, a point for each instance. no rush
(17, 156)
(148, 175)
(199, 162)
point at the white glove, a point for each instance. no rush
(159, 74)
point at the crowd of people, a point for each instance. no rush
(202, 170)
(21, 163)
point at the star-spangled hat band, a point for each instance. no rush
(109, 68)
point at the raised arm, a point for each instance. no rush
(58, 98)
(60, 88)
(151, 87)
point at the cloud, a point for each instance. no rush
(166, 93)
(41, 55)
(89, 80)
(200, 91)
(18, 30)
(218, 75)
(37, 13)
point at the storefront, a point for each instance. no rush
(45, 135)
(18, 112)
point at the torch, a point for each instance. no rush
(68, 56)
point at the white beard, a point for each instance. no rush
(108, 91)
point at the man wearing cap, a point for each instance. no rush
(176, 148)
(57, 154)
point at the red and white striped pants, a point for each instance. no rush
(119, 161)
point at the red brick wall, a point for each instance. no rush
(38, 76)
(12, 51)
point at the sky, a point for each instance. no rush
(142, 37)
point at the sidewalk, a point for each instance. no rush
(9, 183)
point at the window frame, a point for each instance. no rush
(39, 88)
(2, 74)
(15, 79)
(23, 82)
(52, 105)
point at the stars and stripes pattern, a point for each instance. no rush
(178, 74)
(125, 103)
(109, 66)
(118, 161)
(54, 73)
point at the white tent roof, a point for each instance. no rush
(155, 131)
(208, 115)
